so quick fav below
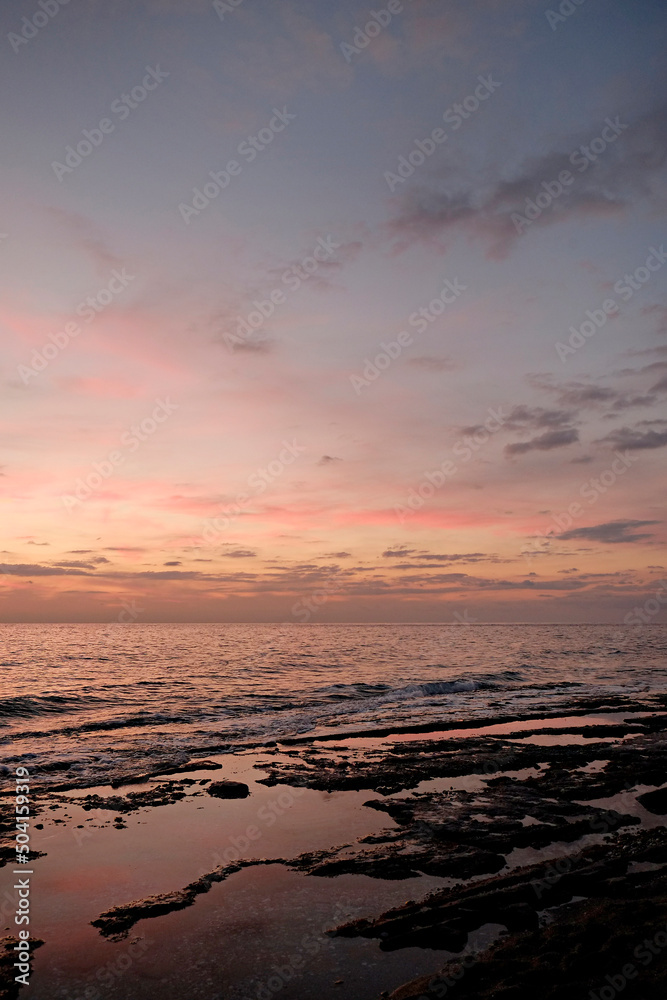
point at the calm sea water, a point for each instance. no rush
(84, 702)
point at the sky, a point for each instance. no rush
(318, 312)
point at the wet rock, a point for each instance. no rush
(9, 988)
(515, 899)
(8, 832)
(578, 706)
(588, 945)
(505, 802)
(228, 789)
(160, 795)
(655, 802)
(639, 761)
(117, 921)
(192, 765)
(403, 861)
(446, 836)
(403, 765)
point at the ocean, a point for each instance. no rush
(82, 704)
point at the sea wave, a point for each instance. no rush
(164, 692)
(25, 706)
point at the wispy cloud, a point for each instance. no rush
(544, 442)
(629, 171)
(636, 439)
(612, 532)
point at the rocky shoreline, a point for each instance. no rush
(547, 835)
(591, 919)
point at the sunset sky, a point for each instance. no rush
(195, 427)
